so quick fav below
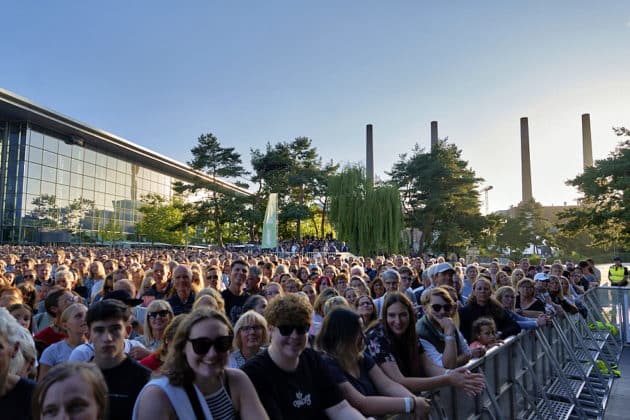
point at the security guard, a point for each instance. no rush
(618, 274)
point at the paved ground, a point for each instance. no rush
(619, 402)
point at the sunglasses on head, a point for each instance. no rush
(163, 313)
(287, 330)
(436, 307)
(201, 345)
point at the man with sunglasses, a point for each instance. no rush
(291, 380)
(108, 324)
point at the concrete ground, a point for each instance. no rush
(619, 403)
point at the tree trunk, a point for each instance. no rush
(299, 221)
(217, 224)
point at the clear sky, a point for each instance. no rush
(159, 73)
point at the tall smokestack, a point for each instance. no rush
(369, 154)
(526, 169)
(587, 143)
(434, 134)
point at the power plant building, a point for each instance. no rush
(62, 180)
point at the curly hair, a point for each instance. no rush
(176, 367)
(289, 309)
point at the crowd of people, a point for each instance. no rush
(146, 334)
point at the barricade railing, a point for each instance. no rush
(561, 371)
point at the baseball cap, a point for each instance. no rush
(443, 267)
(541, 277)
(617, 259)
(123, 296)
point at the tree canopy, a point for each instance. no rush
(440, 197)
(604, 212)
(368, 218)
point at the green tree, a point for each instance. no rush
(368, 218)
(440, 197)
(604, 212)
(294, 171)
(526, 226)
(220, 205)
(161, 220)
(45, 210)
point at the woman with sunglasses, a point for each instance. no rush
(291, 380)
(195, 384)
(442, 341)
(360, 380)
(159, 314)
(395, 348)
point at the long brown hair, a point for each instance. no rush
(405, 347)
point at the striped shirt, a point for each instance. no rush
(220, 405)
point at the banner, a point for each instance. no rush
(270, 226)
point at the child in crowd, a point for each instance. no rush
(22, 313)
(484, 332)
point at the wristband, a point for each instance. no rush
(408, 401)
(447, 371)
(449, 338)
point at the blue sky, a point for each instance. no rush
(160, 73)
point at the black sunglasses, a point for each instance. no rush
(201, 346)
(287, 330)
(163, 313)
(436, 307)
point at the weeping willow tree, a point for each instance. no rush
(368, 218)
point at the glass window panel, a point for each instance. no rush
(35, 155)
(33, 186)
(75, 193)
(51, 144)
(64, 163)
(111, 175)
(34, 170)
(110, 188)
(120, 177)
(37, 139)
(99, 199)
(77, 166)
(63, 177)
(101, 159)
(120, 190)
(65, 149)
(99, 185)
(88, 194)
(88, 183)
(76, 180)
(89, 169)
(111, 162)
(48, 187)
(63, 192)
(101, 173)
(50, 158)
(48, 173)
(89, 156)
(77, 152)
(28, 205)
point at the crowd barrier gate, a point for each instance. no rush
(558, 372)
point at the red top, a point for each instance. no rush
(152, 361)
(49, 336)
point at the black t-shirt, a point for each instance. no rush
(363, 383)
(124, 383)
(537, 305)
(16, 404)
(302, 394)
(234, 304)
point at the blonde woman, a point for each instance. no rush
(250, 335)
(73, 324)
(159, 314)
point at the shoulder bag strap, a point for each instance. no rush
(194, 401)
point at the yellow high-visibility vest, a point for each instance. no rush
(616, 273)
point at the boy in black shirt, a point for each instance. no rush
(108, 325)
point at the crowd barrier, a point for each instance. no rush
(562, 371)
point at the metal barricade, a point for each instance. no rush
(558, 372)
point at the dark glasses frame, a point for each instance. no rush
(436, 307)
(287, 330)
(164, 313)
(201, 346)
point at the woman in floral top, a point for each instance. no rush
(394, 346)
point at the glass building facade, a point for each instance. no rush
(57, 187)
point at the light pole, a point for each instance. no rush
(485, 191)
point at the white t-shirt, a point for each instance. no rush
(85, 352)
